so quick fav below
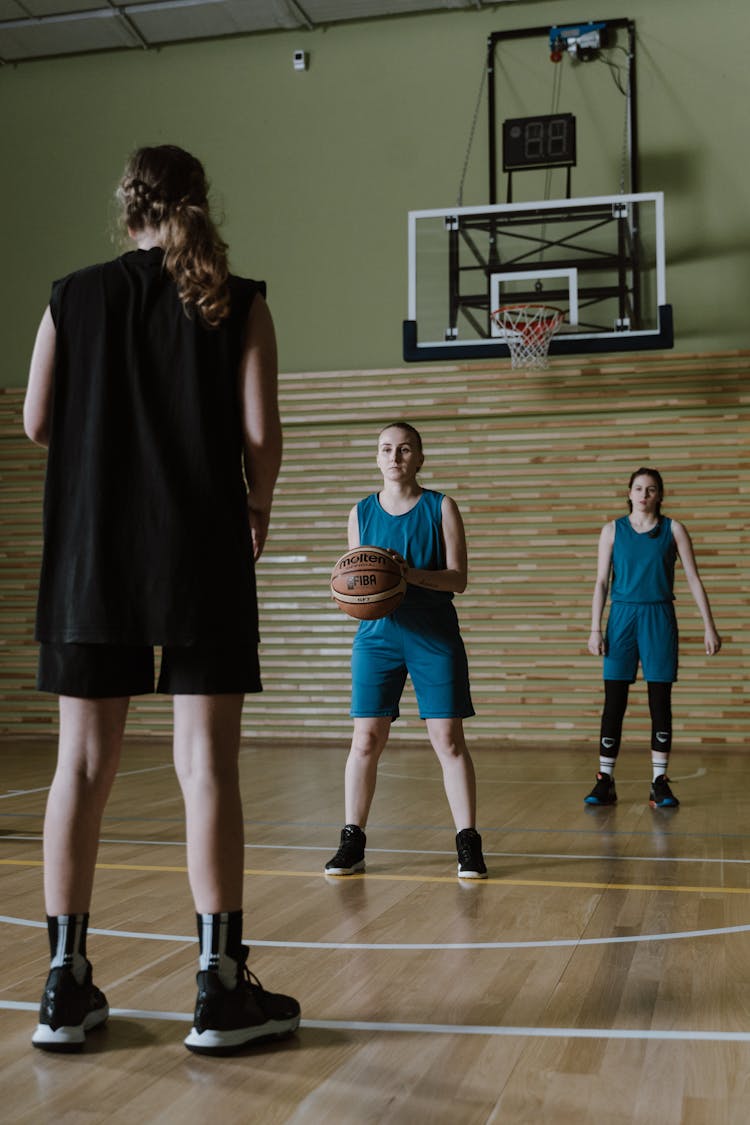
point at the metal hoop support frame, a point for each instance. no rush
(527, 330)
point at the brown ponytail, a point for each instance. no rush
(165, 188)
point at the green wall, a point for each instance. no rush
(315, 172)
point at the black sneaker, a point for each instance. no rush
(228, 1018)
(604, 792)
(68, 1010)
(350, 857)
(471, 863)
(662, 796)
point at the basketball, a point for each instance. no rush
(367, 583)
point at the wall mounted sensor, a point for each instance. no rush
(300, 59)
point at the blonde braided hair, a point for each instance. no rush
(165, 188)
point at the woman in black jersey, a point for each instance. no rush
(152, 384)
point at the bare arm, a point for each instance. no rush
(687, 558)
(353, 529)
(455, 575)
(37, 407)
(261, 423)
(601, 588)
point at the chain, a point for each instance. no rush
(472, 131)
(625, 162)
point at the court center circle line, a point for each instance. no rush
(489, 1030)
(408, 947)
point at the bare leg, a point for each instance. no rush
(206, 752)
(447, 738)
(90, 743)
(360, 776)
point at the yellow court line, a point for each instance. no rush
(564, 884)
(501, 882)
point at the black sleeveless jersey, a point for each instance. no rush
(146, 537)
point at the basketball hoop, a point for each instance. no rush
(527, 330)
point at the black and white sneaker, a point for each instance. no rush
(661, 796)
(350, 858)
(226, 1019)
(604, 792)
(68, 1010)
(471, 863)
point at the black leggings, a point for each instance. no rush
(615, 703)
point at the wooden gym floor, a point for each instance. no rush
(602, 972)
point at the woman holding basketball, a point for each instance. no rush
(638, 552)
(420, 638)
(153, 379)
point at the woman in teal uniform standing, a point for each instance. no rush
(421, 639)
(638, 553)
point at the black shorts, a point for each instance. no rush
(87, 671)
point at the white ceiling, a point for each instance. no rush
(32, 29)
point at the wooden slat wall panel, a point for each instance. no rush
(537, 462)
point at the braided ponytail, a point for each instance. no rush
(165, 188)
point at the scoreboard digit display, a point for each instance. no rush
(539, 142)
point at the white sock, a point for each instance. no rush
(659, 763)
(607, 765)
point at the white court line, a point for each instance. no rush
(24, 792)
(501, 780)
(135, 1013)
(532, 1032)
(382, 773)
(693, 1036)
(604, 857)
(46, 788)
(409, 947)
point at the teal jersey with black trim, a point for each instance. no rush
(417, 535)
(643, 563)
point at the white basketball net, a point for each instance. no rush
(527, 330)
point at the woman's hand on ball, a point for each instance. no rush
(400, 560)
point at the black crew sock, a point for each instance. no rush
(67, 943)
(220, 937)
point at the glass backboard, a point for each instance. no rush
(599, 259)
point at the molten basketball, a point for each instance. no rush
(367, 583)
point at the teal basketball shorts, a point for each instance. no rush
(641, 632)
(425, 645)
